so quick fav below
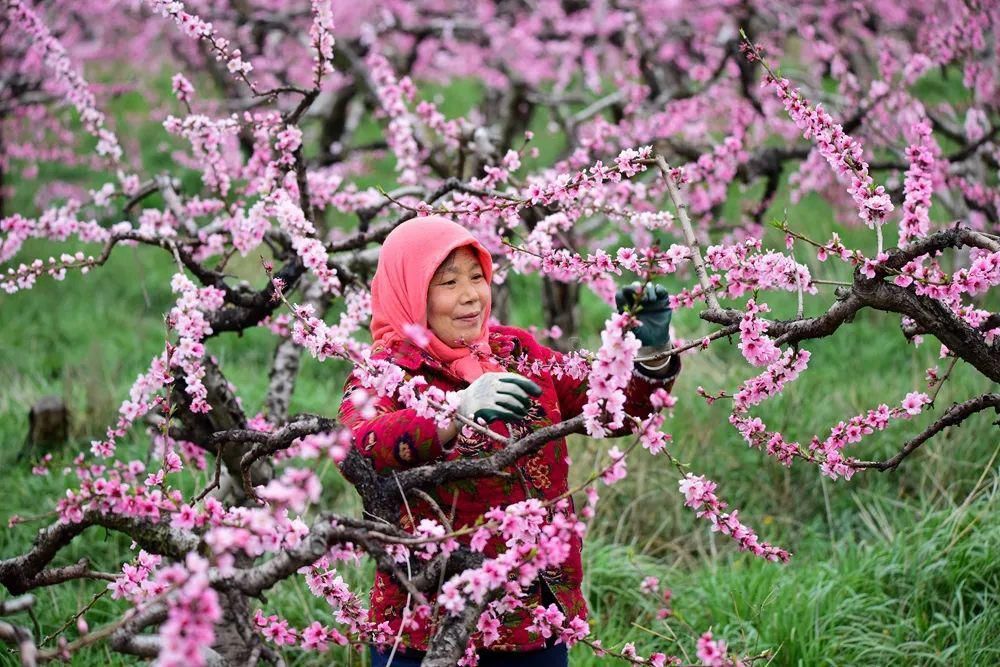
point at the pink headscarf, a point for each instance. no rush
(409, 257)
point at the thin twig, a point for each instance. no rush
(937, 389)
(84, 610)
(692, 241)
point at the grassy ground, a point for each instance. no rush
(895, 568)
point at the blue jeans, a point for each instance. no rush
(554, 656)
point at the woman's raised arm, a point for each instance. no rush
(395, 437)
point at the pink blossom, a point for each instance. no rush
(914, 401)
(712, 652)
(418, 334)
(182, 88)
(617, 470)
(489, 626)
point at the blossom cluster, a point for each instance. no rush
(393, 94)
(555, 188)
(436, 541)
(550, 621)
(57, 223)
(844, 154)
(314, 637)
(253, 531)
(135, 583)
(247, 231)
(68, 78)
(928, 278)
(539, 253)
(715, 170)
(321, 36)
(117, 490)
(192, 611)
(784, 369)
(325, 582)
(192, 604)
(387, 379)
(25, 275)
(982, 274)
(324, 340)
(575, 365)
(569, 187)
(182, 89)
(295, 489)
(273, 154)
(918, 185)
(618, 469)
(293, 220)
(450, 131)
(712, 652)
(828, 453)
(837, 248)
(652, 438)
(609, 376)
(197, 28)
(535, 538)
(699, 495)
(749, 268)
(287, 141)
(834, 463)
(757, 347)
(210, 142)
(188, 319)
(333, 445)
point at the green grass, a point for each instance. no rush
(894, 568)
(918, 589)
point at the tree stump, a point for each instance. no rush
(48, 427)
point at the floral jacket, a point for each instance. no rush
(397, 438)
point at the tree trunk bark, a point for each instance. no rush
(448, 643)
(500, 308)
(559, 303)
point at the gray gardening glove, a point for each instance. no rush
(652, 309)
(503, 396)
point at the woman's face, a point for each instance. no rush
(457, 298)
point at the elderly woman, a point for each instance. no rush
(434, 274)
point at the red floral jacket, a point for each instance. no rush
(397, 438)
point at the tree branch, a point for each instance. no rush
(79, 570)
(954, 416)
(449, 471)
(20, 573)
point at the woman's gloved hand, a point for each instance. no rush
(652, 308)
(503, 396)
